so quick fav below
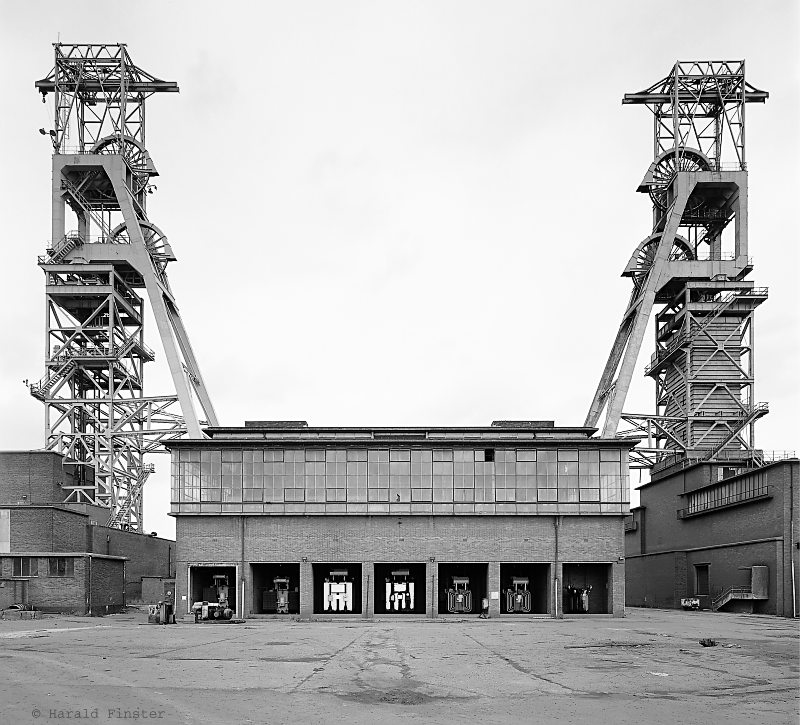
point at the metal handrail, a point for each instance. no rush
(728, 593)
(722, 501)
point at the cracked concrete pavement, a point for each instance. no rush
(646, 668)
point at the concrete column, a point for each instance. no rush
(618, 588)
(306, 590)
(367, 590)
(556, 604)
(492, 585)
(431, 590)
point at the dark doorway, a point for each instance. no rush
(337, 588)
(701, 580)
(204, 587)
(451, 587)
(276, 597)
(396, 585)
(538, 576)
(586, 588)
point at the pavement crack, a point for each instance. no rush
(520, 668)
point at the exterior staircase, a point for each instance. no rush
(734, 593)
(39, 390)
(134, 492)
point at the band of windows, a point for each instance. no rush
(419, 476)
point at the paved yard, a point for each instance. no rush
(646, 668)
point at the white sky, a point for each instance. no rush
(401, 213)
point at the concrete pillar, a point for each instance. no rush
(367, 589)
(493, 588)
(556, 605)
(618, 588)
(306, 590)
(431, 589)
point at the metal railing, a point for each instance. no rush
(723, 502)
(774, 456)
(727, 594)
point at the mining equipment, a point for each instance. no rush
(400, 591)
(459, 596)
(161, 613)
(281, 598)
(105, 256)
(518, 596)
(337, 591)
(691, 268)
(215, 606)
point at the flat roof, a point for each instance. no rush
(300, 433)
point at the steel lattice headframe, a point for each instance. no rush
(96, 410)
(694, 262)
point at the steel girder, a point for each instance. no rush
(704, 344)
(96, 410)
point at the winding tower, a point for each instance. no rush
(104, 252)
(692, 268)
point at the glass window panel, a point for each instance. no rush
(315, 454)
(526, 455)
(568, 482)
(608, 468)
(442, 455)
(590, 494)
(400, 454)
(568, 495)
(609, 454)
(548, 494)
(421, 456)
(378, 456)
(566, 454)
(568, 468)
(546, 466)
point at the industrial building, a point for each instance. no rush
(723, 536)
(508, 519)
(59, 557)
(399, 521)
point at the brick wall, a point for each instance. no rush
(235, 540)
(650, 581)
(147, 555)
(730, 540)
(33, 477)
(70, 593)
(12, 591)
(54, 593)
(106, 585)
(36, 528)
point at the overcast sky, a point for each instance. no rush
(401, 213)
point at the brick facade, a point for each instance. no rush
(241, 541)
(146, 555)
(35, 521)
(664, 548)
(93, 585)
(514, 500)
